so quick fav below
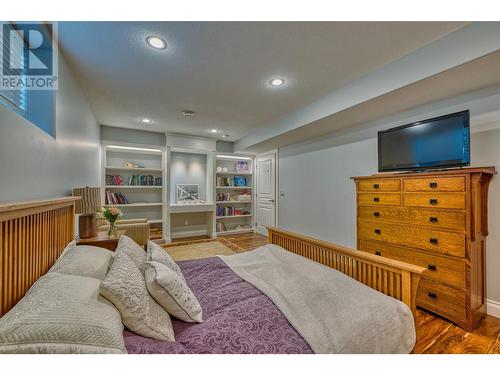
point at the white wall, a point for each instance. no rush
(319, 195)
(35, 165)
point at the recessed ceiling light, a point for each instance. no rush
(225, 135)
(156, 42)
(277, 82)
(214, 131)
(146, 121)
(188, 113)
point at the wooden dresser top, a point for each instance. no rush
(454, 171)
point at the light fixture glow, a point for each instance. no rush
(156, 42)
(133, 148)
(277, 82)
(233, 157)
(214, 131)
(146, 121)
(225, 135)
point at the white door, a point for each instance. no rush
(265, 212)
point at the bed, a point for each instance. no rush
(247, 308)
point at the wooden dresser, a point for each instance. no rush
(437, 220)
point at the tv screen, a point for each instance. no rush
(439, 142)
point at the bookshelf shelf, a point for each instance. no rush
(233, 173)
(232, 216)
(234, 202)
(132, 187)
(131, 205)
(133, 170)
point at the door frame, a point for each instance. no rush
(276, 186)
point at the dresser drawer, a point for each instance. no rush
(451, 219)
(434, 184)
(375, 199)
(432, 240)
(436, 200)
(442, 299)
(439, 268)
(379, 185)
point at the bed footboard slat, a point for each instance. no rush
(394, 278)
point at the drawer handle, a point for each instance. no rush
(433, 185)
(376, 214)
(431, 267)
(432, 295)
(376, 199)
(378, 253)
(433, 241)
(377, 231)
(376, 186)
(433, 219)
(433, 201)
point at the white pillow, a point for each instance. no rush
(129, 247)
(172, 293)
(68, 247)
(156, 253)
(124, 286)
(84, 260)
(62, 314)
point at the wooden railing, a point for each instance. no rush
(32, 236)
(393, 278)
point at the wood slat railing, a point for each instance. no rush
(32, 237)
(393, 278)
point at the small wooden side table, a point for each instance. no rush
(102, 240)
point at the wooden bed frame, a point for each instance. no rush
(34, 234)
(391, 277)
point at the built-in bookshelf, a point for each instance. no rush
(133, 180)
(233, 194)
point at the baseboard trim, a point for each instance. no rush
(493, 308)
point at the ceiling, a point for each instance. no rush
(221, 70)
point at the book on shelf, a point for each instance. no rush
(134, 180)
(230, 211)
(231, 181)
(116, 198)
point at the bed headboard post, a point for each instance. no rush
(32, 236)
(393, 278)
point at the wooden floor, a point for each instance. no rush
(434, 334)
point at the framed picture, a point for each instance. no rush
(187, 193)
(241, 166)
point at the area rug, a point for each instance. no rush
(198, 249)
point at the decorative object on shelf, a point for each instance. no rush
(111, 214)
(87, 208)
(244, 198)
(224, 169)
(240, 181)
(187, 193)
(219, 169)
(220, 227)
(242, 166)
(132, 165)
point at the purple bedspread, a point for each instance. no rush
(238, 318)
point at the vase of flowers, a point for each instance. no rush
(111, 214)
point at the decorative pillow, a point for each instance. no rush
(172, 293)
(158, 254)
(69, 246)
(62, 314)
(128, 246)
(84, 260)
(124, 286)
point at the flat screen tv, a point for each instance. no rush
(439, 142)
